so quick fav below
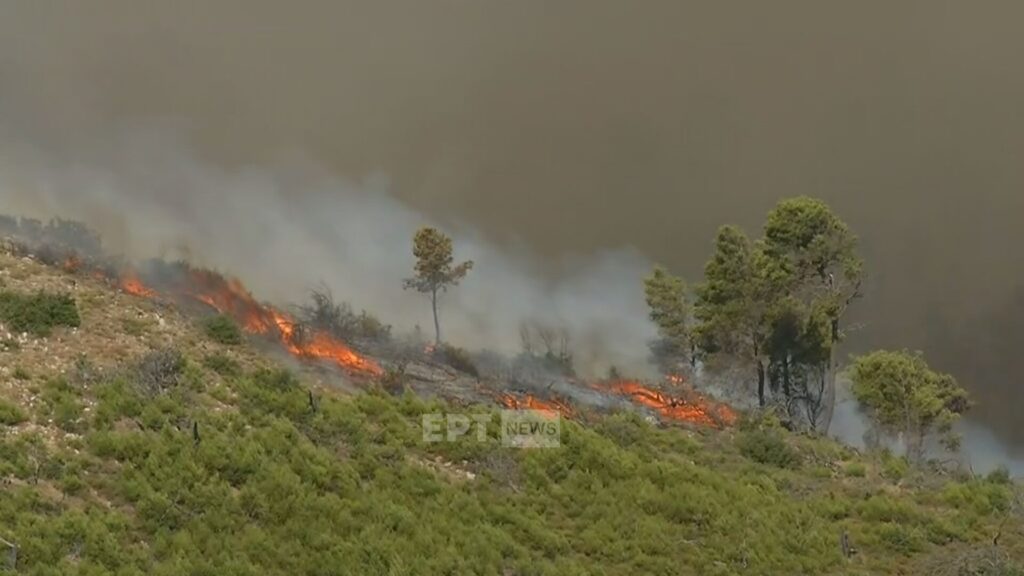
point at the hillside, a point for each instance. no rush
(134, 442)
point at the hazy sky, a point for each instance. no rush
(579, 125)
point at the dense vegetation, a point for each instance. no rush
(221, 328)
(38, 313)
(159, 482)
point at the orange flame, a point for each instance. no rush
(550, 408)
(698, 409)
(131, 284)
(71, 264)
(229, 296)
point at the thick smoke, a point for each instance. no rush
(583, 125)
(288, 228)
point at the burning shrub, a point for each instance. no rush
(548, 346)
(38, 313)
(393, 381)
(72, 235)
(338, 320)
(221, 328)
(160, 371)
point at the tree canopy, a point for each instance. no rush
(775, 304)
(906, 398)
(434, 269)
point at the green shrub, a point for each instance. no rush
(134, 326)
(11, 414)
(855, 470)
(901, 539)
(1000, 475)
(62, 404)
(894, 468)
(21, 374)
(223, 365)
(768, 447)
(38, 313)
(221, 328)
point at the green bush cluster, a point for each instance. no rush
(768, 447)
(223, 329)
(11, 414)
(37, 313)
(222, 364)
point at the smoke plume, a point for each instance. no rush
(287, 228)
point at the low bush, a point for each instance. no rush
(855, 470)
(894, 468)
(62, 404)
(11, 414)
(223, 365)
(159, 371)
(767, 446)
(393, 381)
(340, 321)
(459, 359)
(37, 313)
(222, 329)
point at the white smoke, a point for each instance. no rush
(980, 450)
(287, 228)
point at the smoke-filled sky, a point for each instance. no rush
(552, 136)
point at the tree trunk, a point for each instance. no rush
(786, 389)
(828, 399)
(437, 325)
(760, 383)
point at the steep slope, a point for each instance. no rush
(135, 444)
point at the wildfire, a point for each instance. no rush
(697, 409)
(131, 284)
(72, 264)
(550, 408)
(229, 296)
(675, 379)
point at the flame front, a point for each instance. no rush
(131, 284)
(230, 297)
(550, 408)
(698, 410)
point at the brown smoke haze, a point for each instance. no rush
(548, 136)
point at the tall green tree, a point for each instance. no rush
(734, 303)
(906, 398)
(669, 309)
(434, 269)
(814, 259)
